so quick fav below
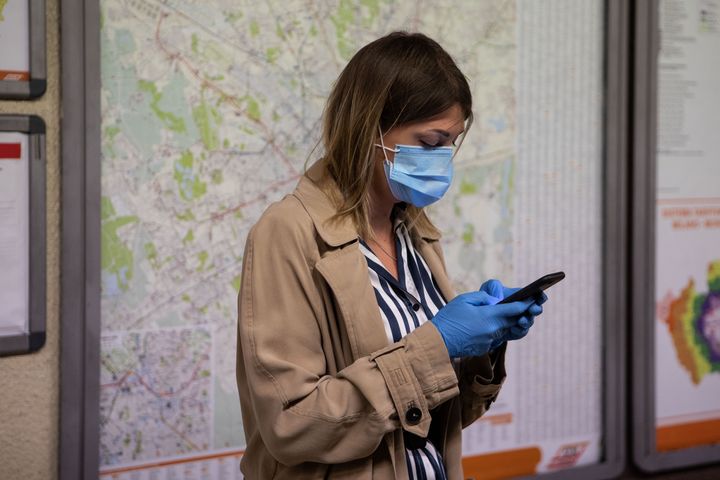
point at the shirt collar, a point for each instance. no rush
(398, 221)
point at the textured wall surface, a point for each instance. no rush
(29, 384)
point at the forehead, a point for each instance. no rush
(451, 120)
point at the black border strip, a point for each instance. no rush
(80, 236)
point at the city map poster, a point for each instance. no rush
(209, 113)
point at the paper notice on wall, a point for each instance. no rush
(687, 288)
(14, 233)
(15, 40)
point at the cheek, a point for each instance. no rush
(379, 181)
(379, 167)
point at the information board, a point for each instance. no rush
(687, 282)
(676, 235)
(209, 113)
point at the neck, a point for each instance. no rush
(379, 217)
(381, 202)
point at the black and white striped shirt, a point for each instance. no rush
(406, 303)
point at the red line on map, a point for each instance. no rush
(166, 463)
(220, 215)
(183, 386)
(179, 434)
(223, 95)
(148, 387)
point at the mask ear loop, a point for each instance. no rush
(384, 148)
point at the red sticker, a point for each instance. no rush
(10, 151)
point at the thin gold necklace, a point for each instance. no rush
(385, 251)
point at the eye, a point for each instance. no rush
(427, 144)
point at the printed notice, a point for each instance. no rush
(688, 153)
(15, 40)
(14, 234)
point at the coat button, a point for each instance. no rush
(416, 307)
(413, 415)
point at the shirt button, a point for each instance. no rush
(416, 307)
(413, 415)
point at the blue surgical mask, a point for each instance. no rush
(418, 175)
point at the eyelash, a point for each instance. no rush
(425, 144)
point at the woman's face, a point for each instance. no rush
(442, 130)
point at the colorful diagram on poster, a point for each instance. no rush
(693, 319)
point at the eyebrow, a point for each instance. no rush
(444, 133)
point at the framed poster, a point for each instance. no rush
(22, 234)
(172, 158)
(22, 57)
(677, 266)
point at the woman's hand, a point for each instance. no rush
(496, 289)
(471, 324)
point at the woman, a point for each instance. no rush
(350, 363)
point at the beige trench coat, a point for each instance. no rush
(323, 394)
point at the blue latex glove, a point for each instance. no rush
(498, 290)
(471, 322)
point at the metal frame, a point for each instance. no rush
(32, 341)
(37, 84)
(80, 236)
(645, 455)
(79, 425)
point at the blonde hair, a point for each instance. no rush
(397, 79)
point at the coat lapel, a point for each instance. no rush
(345, 271)
(343, 265)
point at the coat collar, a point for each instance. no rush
(345, 269)
(319, 194)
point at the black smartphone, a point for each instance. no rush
(535, 287)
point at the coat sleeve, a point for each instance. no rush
(302, 413)
(480, 378)
(480, 381)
